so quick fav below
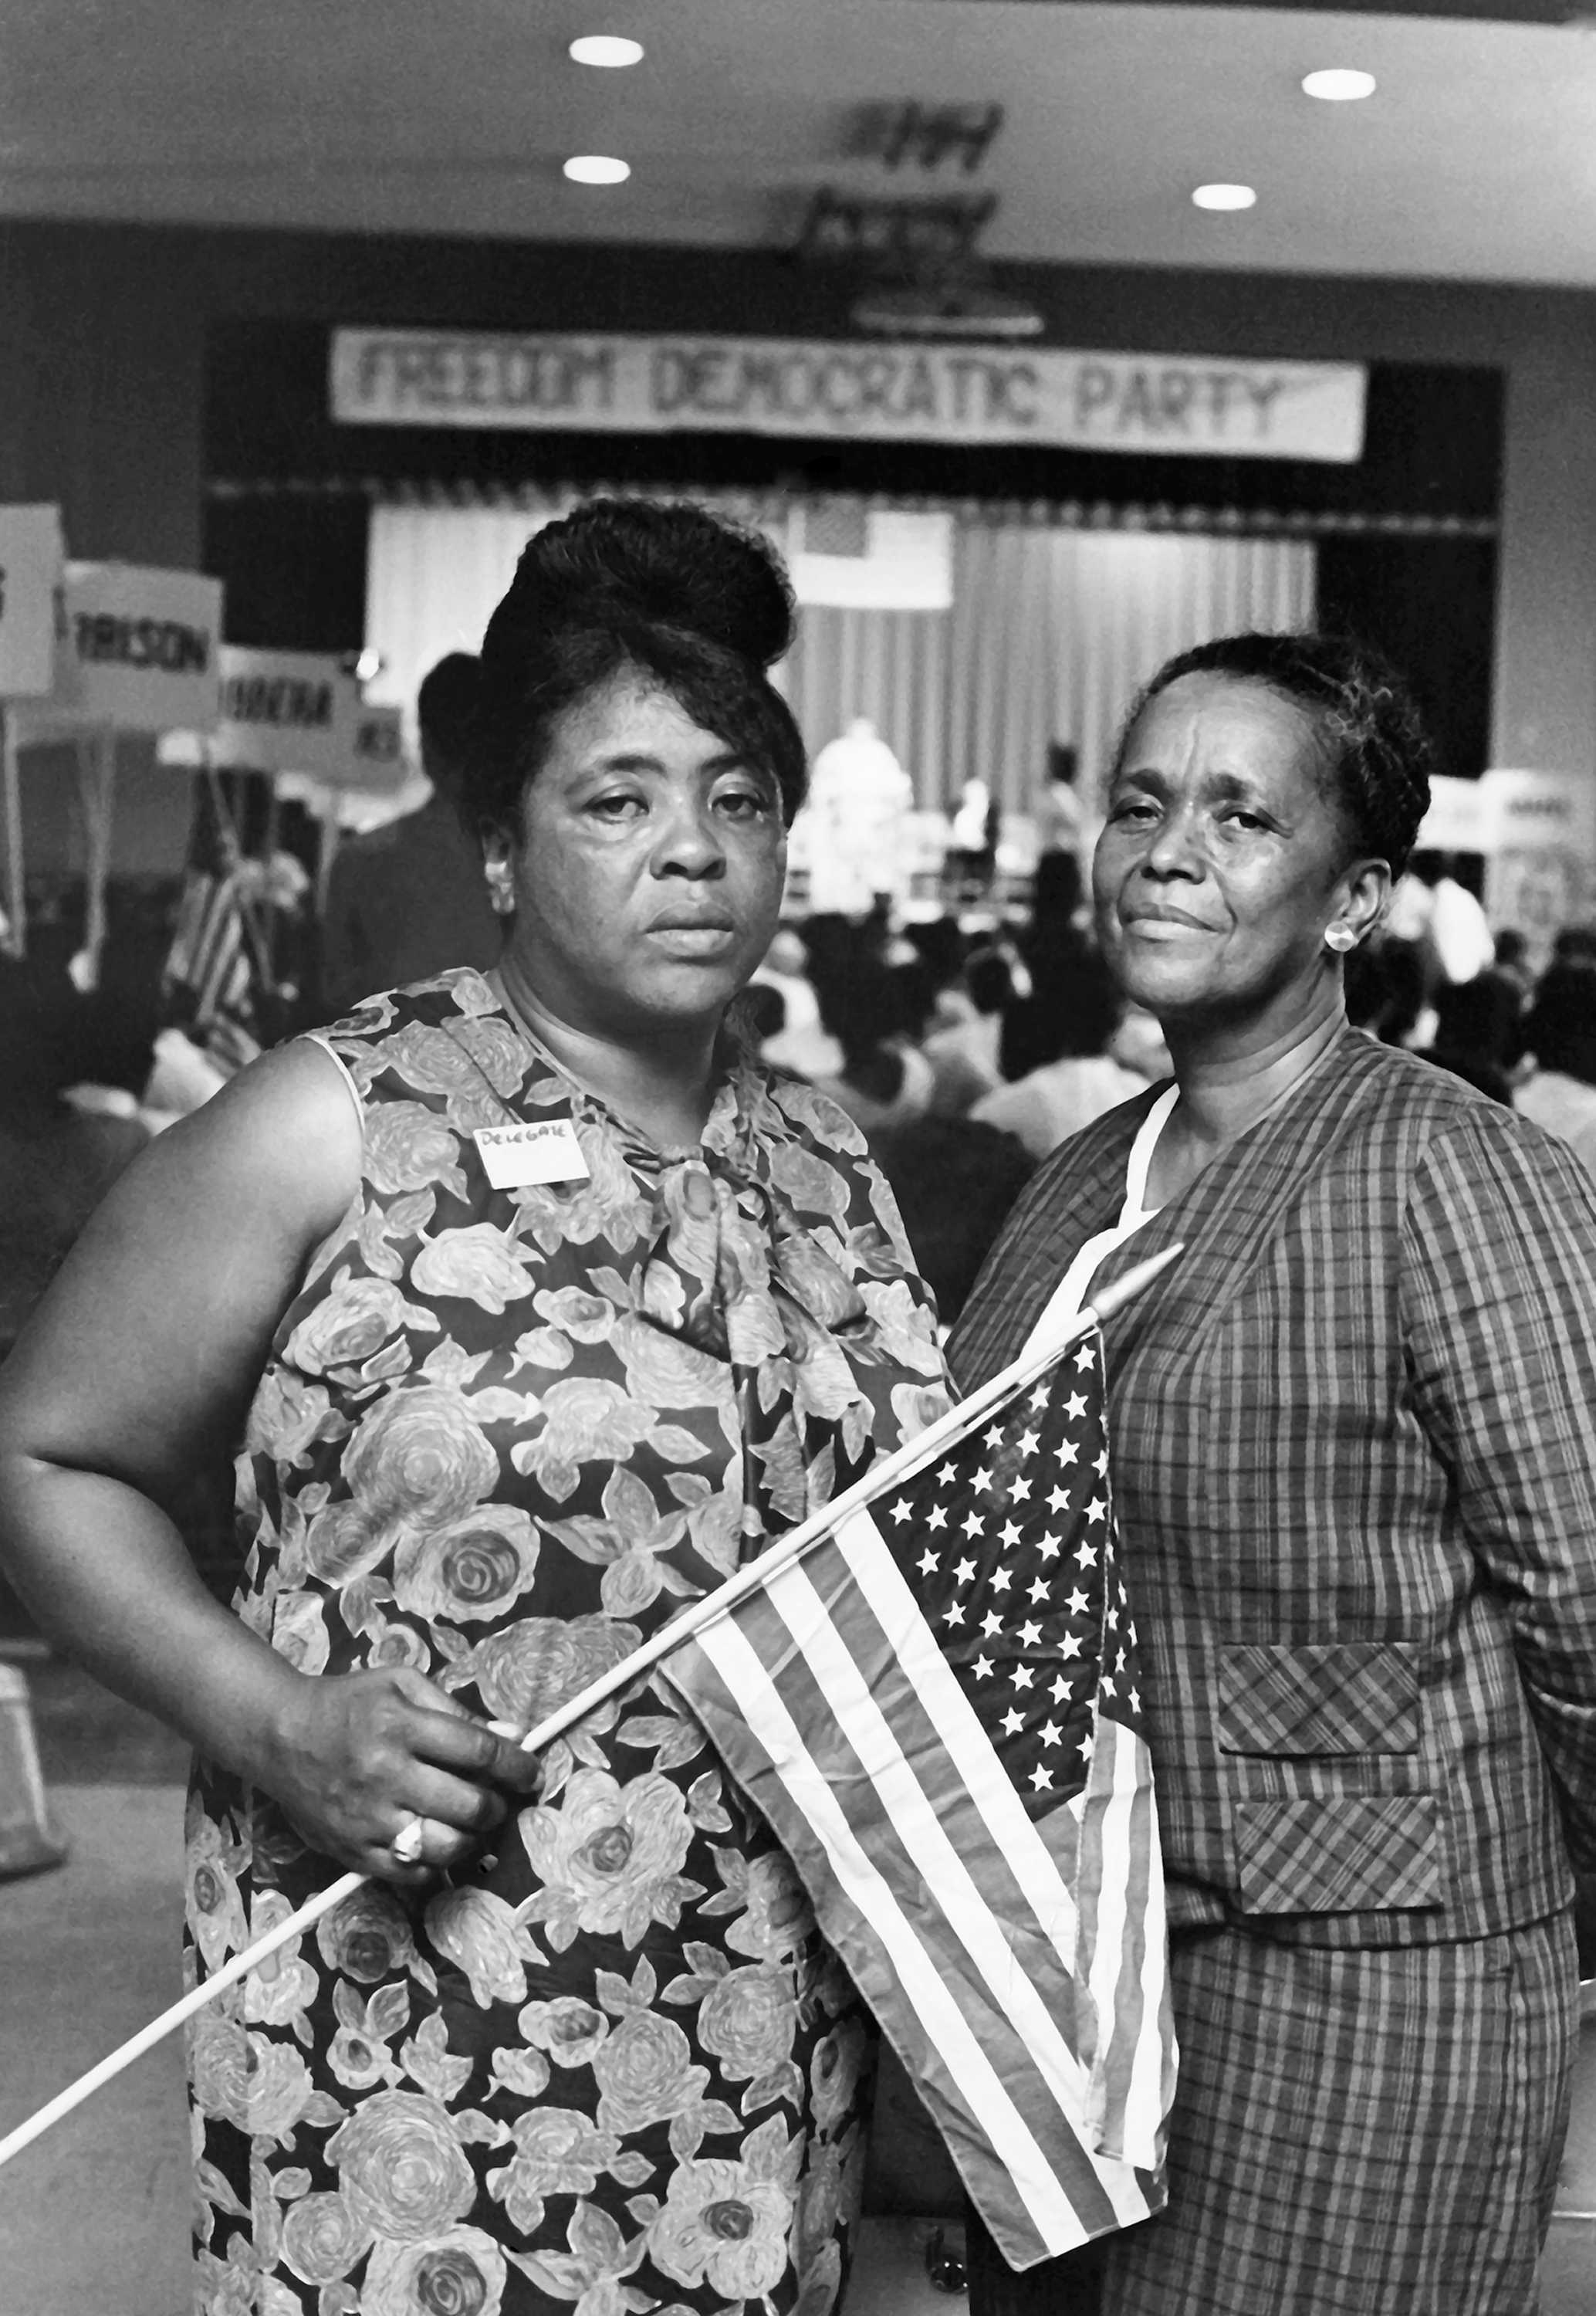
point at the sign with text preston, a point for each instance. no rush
(843, 388)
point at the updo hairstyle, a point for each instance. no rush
(696, 604)
(1377, 753)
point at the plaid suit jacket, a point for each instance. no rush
(1355, 1464)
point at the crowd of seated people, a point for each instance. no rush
(1528, 1039)
(963, 1059)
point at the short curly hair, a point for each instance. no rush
(1378, 751)
(696, 604)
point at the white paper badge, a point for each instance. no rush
(515, 1155)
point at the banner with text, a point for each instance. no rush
(951, 393)
(31, 569)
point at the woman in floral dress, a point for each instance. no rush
(537, 1313)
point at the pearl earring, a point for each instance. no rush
(500, 899)
(1339, 937)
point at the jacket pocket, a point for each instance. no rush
(1283, 1699)
(1340, 1853)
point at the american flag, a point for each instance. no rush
(215, 974)
(939, 1710)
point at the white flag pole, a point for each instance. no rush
(16, 888)
(901, 1465)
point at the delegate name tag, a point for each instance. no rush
(515, 1155)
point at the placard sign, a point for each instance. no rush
(139, 649)
(31, 569)
(295, 712)
(1540, 853)
(378, 757)
(876, 392)
(281, 712)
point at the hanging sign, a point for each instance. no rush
(877, 392)
(136, 648)
(31, 568)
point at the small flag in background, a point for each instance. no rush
(215, 974)
(938, 1709)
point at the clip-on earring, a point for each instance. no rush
(500, 899)
(1339, 938)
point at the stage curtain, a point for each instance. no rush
(1050, 633)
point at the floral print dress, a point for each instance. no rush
(502, 1434)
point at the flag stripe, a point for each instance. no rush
(1056, 2220)
(1119, 1882)
(1141, 2065)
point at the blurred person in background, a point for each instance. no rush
(1078, 1079)
(1479, 1032)
(407, 900)
(1560, 1033)
(1437, 914)
(1356, 1499)
(859, 799)
(802, 1043)
(964, 1055)
(493, 1430)
(1061, 815)
(954, 1181)
(1384, 983)
(973, 842)
(885, 1079)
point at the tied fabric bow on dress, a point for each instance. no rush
(733, 1272)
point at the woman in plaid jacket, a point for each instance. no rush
(1356, 1486)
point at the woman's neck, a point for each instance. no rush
(1224, 1089)
(665, 1086)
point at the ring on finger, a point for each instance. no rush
(406, 1844)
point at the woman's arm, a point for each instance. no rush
(140, 1362)
(1499, 1305)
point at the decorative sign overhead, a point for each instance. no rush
(137, 648)
(31, 568)
(927, 392)
(295, 712)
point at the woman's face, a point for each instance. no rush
(1222, 861)
(649, 871)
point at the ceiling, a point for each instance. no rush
(1475, 160)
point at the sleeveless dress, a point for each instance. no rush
(502, 1435)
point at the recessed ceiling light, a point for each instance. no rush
(596, 169)
(605, 49)
(1224, 196)
(1339, 84)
